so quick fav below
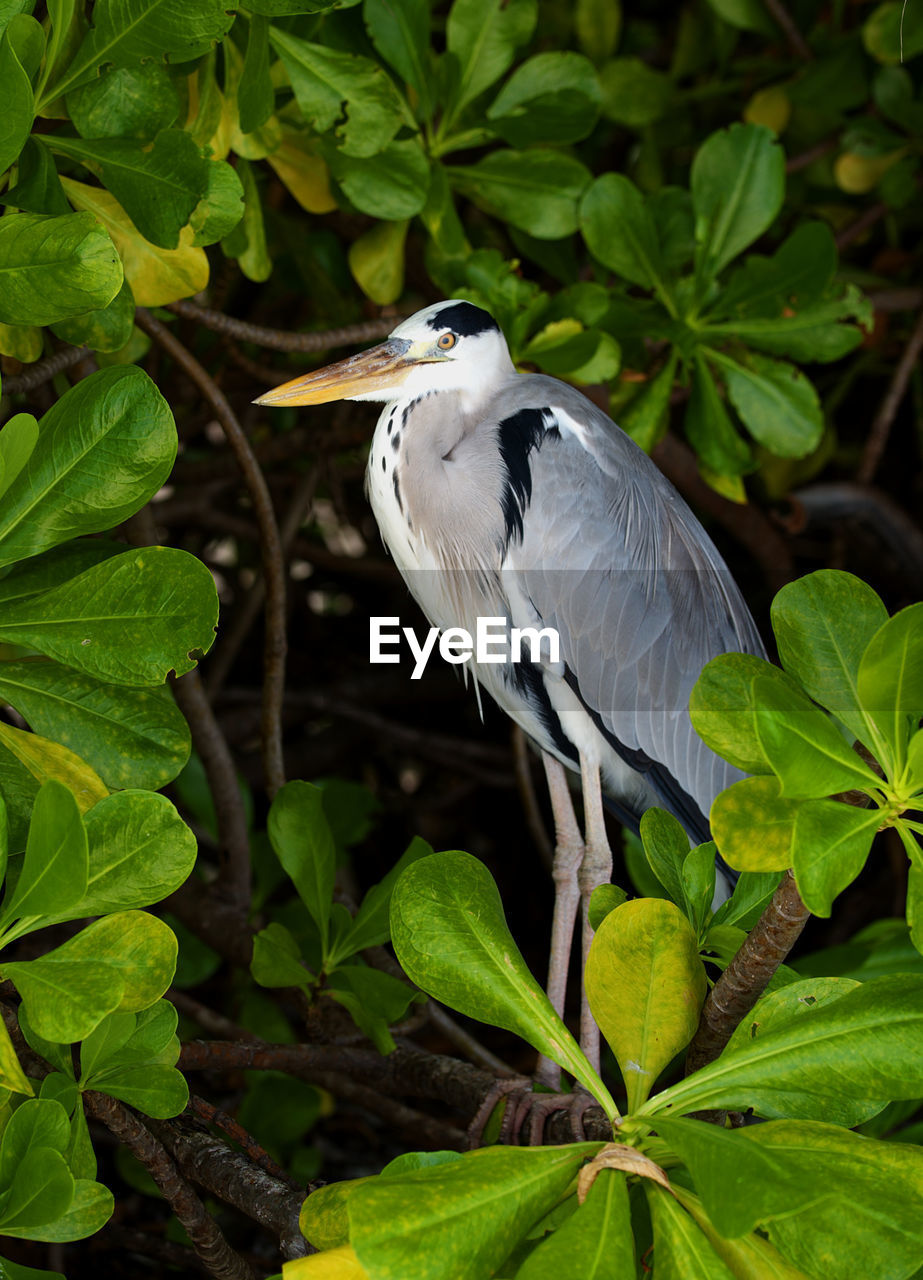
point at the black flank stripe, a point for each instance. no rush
(516, 438)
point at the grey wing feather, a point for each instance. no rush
(614, 560)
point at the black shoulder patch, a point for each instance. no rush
(465, 319)
(516, 438)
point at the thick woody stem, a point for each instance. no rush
(747, 976)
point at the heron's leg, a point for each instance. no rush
(596, 869)
(568, 855)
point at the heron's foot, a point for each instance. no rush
(538, 1108)
(524, 1107)
(509, 1087)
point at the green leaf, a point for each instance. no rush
(552, 97)
(482, 37)
(893, 32)
(890, 680)
(633, 93)
(277, 959)
(738, 184)
(128, 32)
(830, 845)
(18, 438)
(326, 81)
(868, 1223)
(594, 1243)
(743, 1183)
(37, 1124)
(537, 191)
(682, 1249)
(645, 984)
(124, 961)
(54, 267)
(619, 232)
(699, 884)
(38, 573)
(130, 620)
(709, 428)
(749, 1257)
(41, 1193)
(371, 925)
(806, 751)
(126, 102)
(777, 403)
(104, 449)
(749, 15)
(598, 24)
(665, 846)
(723, 709)
(391, 185)
(452, 940)
(38, 188)
(751, 896)
(255, 94)
(375, 1000)
(753, 826)
(107, 329)
(140, 850)
(158, 187)
(376, 260)
(459, 1217)
(603, 899)
(300, 835)
(798, 274)
(247, 242)
(823, 624)
(646, 417)
(221, 208)
(825, 1048)
(12, 1076)
(16, 104)
(400, 33)
(90, 1209)
(131, 1057)
(47, 760)
(54, 872)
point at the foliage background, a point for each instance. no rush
(470, 158)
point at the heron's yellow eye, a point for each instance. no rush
(446, 341)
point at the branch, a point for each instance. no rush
(279, 339)
(784, 20)
(221, 1260)
(230, 1175)
(213, 750)
(747, 976)
(270, 546)
(881, 426)
(44, 370)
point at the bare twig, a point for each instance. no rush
(237, 1133)
(221, 1260)
(250, 606)
(270, 547)
(210, 743)
(44, 370)
(747, 976)
(858, 227)
(280, 340)
(784, 20)
(881, 426)
(820, 149)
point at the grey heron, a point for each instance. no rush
(501, 494)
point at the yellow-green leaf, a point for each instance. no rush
(45, 759)
(156, 276)
(645, 984)
(303, 172)
(376, 260)
(12, 1076)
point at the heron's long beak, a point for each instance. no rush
(379, 369)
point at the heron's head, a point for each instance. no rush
(450, 346)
